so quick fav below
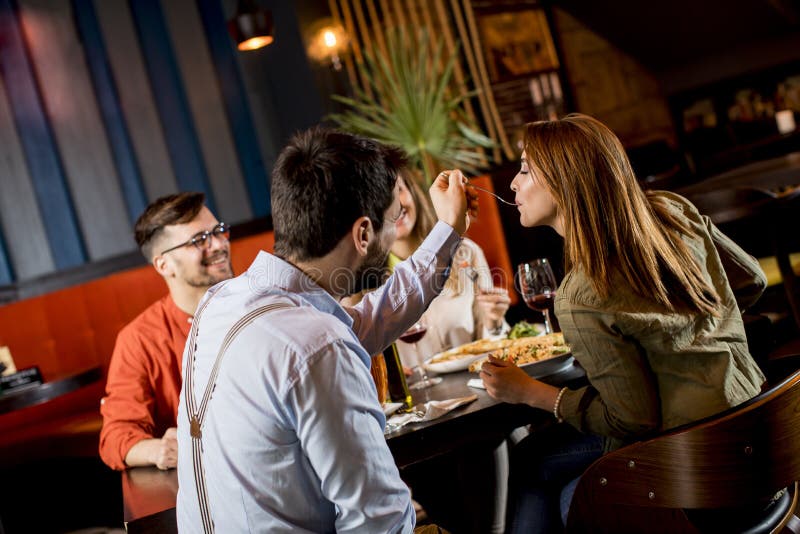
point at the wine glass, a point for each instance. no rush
(538, 287)
(411, 336)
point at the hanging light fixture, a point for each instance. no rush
(251, 27)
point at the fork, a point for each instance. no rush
(498, 197)
(467, 182)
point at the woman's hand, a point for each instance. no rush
(506, 382)
(492, 306)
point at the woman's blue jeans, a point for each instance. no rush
(544, 472)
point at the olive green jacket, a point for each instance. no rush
(650, 369)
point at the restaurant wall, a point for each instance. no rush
(106, 105)
(611, 86)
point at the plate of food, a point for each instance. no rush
(539, 356)
(458, 358)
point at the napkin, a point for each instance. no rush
(426, 412)
(476, 383)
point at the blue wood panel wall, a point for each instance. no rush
(6, 274)
(73, 112)
(26, 239)
(36, 138)
(170, 97)
(110, 109)
(106, 105)
(208, 112)
(136, 97)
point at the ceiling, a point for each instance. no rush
(664, 35)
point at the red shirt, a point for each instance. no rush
(144, 380)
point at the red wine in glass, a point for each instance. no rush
(411, 336)
(541, 302)
(537, 284)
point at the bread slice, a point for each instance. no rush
(527, 350)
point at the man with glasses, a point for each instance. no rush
(189, 248)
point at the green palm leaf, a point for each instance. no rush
(414, 107)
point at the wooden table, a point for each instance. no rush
(484, 419)
(15, 400)
(772, 173)
(149, 494)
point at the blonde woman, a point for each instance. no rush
(469, 307)
(651, 305)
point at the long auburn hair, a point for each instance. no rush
(610, 222)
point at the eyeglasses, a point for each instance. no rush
(203, 240)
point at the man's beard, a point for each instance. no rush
(372, 272)
(207, 279)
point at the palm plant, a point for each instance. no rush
(414, 108)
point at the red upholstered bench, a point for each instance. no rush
(68, 331)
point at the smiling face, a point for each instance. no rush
(192, 266)
(534, 201)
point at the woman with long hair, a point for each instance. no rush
(650, 304)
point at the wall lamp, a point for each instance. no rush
(251, 27)
(328, 40)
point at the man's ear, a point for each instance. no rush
(162, 266)
(362, 234)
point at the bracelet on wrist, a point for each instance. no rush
(557, 405)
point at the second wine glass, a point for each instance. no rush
(538, 287)
(411, 336)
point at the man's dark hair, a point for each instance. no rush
(322, 182)
(167, 210)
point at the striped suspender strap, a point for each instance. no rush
(197, 413)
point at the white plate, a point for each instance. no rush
(390, 407)
(452, 366)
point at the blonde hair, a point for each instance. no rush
(610, 223)
(426, 218)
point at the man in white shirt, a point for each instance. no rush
(292, 438)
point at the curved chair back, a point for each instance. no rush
(737, 458)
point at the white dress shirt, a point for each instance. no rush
(293, 436)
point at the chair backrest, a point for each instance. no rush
(732, 459)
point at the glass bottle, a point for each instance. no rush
(398, 388)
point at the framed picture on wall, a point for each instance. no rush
(516, 44)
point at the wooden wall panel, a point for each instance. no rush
(67, 92)
(611, 86)
(206, 105)
(25, 235)
(136, 97)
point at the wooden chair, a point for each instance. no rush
(760, 221)
(716, 475)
